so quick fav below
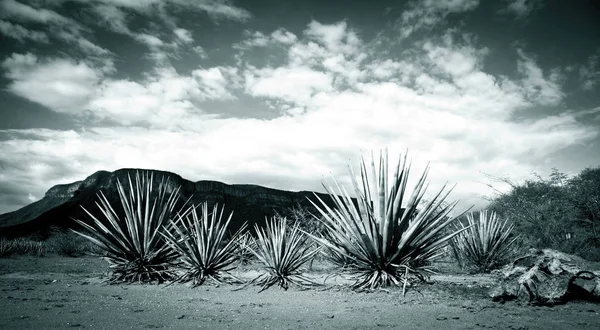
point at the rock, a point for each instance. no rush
(546, 277)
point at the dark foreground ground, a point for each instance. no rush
(63, 293)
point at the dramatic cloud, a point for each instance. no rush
(538, 88)
(61, 85)
(284, 106)
(20, 33)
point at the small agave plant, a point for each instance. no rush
(133, 245)
(206, 251)
(485, 244)
(282, 250)
(378, 240)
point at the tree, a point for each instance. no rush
(584, 189)
(543, 212)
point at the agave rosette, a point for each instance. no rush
(133, 245)
(206, 251)
(486, 243)
(282, 251)
(384, 241)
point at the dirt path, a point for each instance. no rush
(61, 293)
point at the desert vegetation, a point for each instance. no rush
(378, 236)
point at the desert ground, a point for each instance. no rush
(55, 292)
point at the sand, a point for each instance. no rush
(59, 293)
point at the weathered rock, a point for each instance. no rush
(546, 277)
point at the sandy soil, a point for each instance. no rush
(61, 293)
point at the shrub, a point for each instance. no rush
(67, 244)
(203, 246)
(22, 246)
(134, 247)
(559, 212)
(282, 251)
(6, 247)
(485, 244)
(381, 242)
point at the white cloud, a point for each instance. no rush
(425, 14)
(521, 8)
(184, 35)
(539, 89)
(455, 61)
(589, 73)
(150, 40)
(217, 83)
(438, 101)
(26, 13)
(295, 85)
(61, 85)
(57, 26)
(335, 37)
(252, 40)
(21, 33)
(283, 36)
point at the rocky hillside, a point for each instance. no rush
(62, 203)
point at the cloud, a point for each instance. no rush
(257, 39)
(539, 89)
(113, 9)
(184, 35)
(521, 8)
(21, 33)
(335, 37)
(425, 14)
(25, 13)
(589, 73)
(333, 97)
(294, 85)
(252, 40)
(217, 83)
(165, 100)
(59, 84)
(283, 36)
(56, 26)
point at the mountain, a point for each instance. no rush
(62, 203)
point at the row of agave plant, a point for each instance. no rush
(381, 239)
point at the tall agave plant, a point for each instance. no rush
(206, 251)
(133, 245)
(380, 241)
(282, 251)
(485, 243)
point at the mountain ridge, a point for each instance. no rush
(62, 203)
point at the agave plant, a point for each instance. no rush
(380, 241)
(205, 250)
(485, 244)
(134, 247)
(282, 251)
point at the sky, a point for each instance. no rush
(287, 94)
